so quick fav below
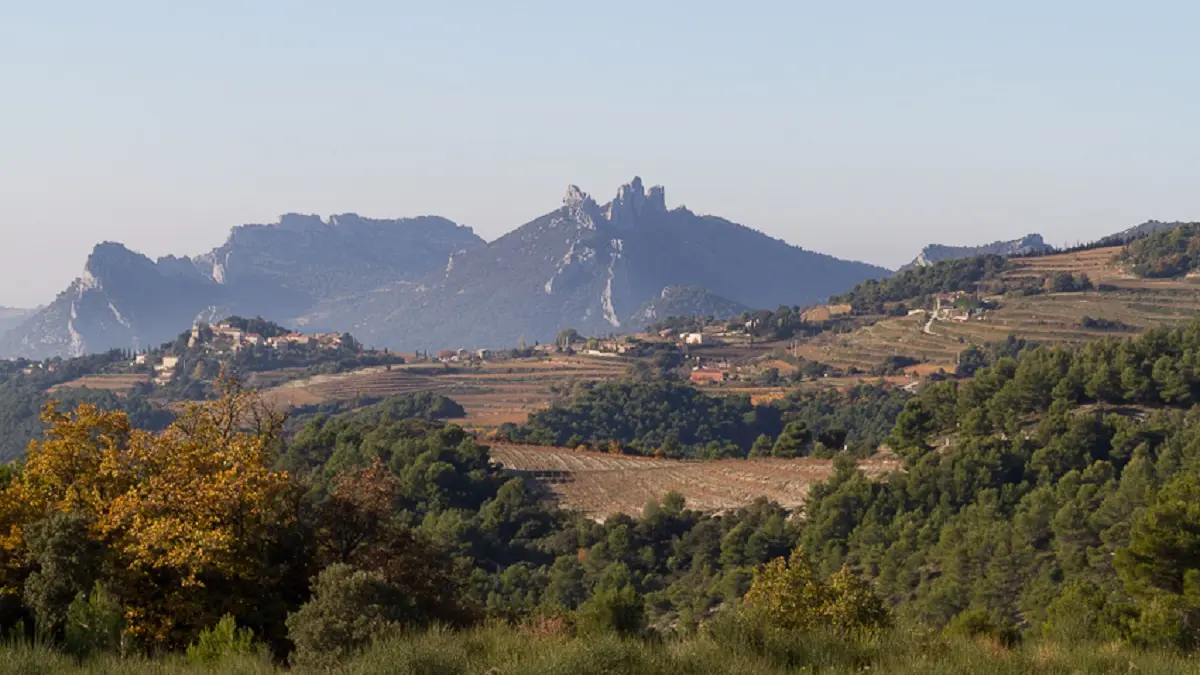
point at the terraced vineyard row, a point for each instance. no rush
(1051, 318)
(601, 485)
(492, 394)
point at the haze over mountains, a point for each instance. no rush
(11, 317)
(420, 283)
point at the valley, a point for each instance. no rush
(348, 338)
(682, 458)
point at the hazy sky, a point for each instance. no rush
(862, 129)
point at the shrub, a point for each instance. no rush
(94, 623)
(787, 595)
(349, 609)
(615, 606)
(1080, 614)
(66, 559)
(220, 641)
(977, 623)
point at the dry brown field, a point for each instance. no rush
(497, 392)
(119, 384)
(601, 485)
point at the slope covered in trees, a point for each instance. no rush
(1167, 252)
(1049, 500)
(401, 522)
(942, 277)
(1042, 496)
(674, 419)
(24, 389)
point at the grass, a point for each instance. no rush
(503, 650)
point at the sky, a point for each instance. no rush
(862, 129)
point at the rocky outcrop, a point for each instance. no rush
(1030, 243)
(632, 204)
(428, 283)
(591, 267)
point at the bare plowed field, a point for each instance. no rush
(119, 384)
(601, 485)
(505, 391)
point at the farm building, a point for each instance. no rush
(707, 375)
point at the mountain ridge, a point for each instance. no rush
(427, 282)
(124, 299)
(589, 266)
(1030, 243)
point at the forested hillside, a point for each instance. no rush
(941, 277)
(1048, 494)
(673, 419)
(1044, 505)
(1167, 252)
(25, 385)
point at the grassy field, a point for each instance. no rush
(601, 485)
(524, 650)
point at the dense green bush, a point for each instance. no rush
(349, 609)
(221, 642)
(94, 623)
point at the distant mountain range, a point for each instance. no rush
(429, 283)
(1030, 243)
(124, 299)
(590, 266)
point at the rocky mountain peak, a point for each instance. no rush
(280, 270)
(656, 199)
(632, 202)
(581, 207)
(109, 257)
(576, 197)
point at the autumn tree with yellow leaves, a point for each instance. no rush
(174, 513)
(788, 595)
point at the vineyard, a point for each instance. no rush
(601, 484)
(1050, 318)
(119, 384)
(493, 393)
